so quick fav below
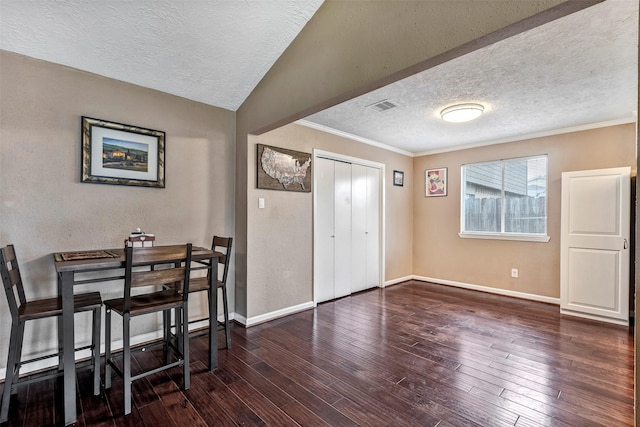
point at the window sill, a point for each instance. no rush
(540, 238)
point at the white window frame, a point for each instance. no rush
(526, 237)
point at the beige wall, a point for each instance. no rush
(280, 275)
(44, 207)
(441, 254)
(349, 48)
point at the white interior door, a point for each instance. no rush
(594, 249)
(323, 254)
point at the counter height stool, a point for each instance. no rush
(223, 245)
(22, 311)
(173, 266)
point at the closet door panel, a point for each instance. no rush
(342, 203)
(324, 259)
(359, 228)
(373, 228)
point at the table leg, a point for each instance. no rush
(68, 348)
(60, 328)
(213, 315)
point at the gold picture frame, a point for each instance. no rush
(115, 153)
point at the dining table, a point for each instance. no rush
(69, 267)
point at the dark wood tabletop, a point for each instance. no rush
(113, 258)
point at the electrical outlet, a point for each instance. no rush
(514, 272)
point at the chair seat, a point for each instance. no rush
(22, 311)
(147, 303)
(48, 307)
(140, 272)
(197, 284)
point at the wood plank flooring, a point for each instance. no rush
(413, 354)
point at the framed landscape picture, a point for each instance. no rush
(114, 153)
(436, 182)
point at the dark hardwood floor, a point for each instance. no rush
(413, 354)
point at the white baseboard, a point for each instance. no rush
(80, 355)
(398, 280)
(117, 345)
(252, 321)
(594, 317)
(205, 322)
(505, 292)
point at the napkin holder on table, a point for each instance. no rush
(140, 240)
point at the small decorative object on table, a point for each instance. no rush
(140, 239)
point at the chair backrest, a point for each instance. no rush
(11, 279)
(174, 262)
(223, 244)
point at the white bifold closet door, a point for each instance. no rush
(347, 224)
(342, 229)
(324, 238)
(365, 185)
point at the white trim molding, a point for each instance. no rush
(593, 317)
(534, 135)
(505, 292)
(252, 321)
(347, 135)
(82, 354)
(540, 238)
(398, 280)
(352, 137)
(117, 345)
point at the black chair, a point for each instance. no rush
(23, 311)
(173, 266)
(198, 284)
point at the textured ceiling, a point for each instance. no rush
(575, 71)
(212, 51)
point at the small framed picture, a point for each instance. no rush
(114, 153)
(398, 178)
(436, 182)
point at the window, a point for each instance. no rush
(505, 199)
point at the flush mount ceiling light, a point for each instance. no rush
(461, 113)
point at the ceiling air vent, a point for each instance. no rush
(382, 106)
